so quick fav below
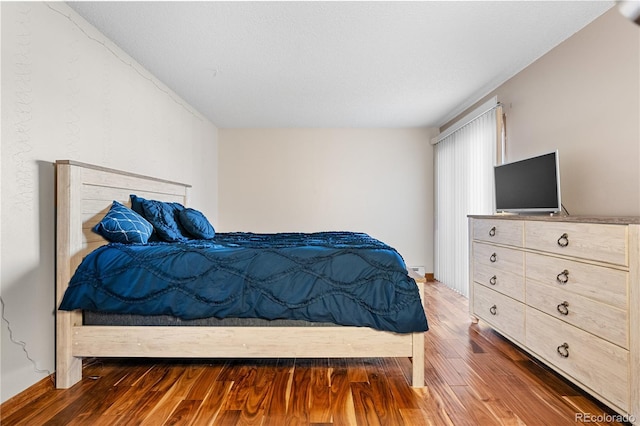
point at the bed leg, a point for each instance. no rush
(417, 357)
(68, 367)
(417, 381)
(69, 246)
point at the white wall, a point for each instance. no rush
(583, 98)
(378, 181)
(69, 93)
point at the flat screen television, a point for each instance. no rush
(531, 185)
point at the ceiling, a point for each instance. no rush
(336, 64)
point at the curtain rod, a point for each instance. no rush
(482, 109)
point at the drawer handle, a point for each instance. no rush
(563, 241)
(492, 232)
(563, 277)
(493, 280)
(493, 310)
(493, 258)
(563, 308)
(563, 350)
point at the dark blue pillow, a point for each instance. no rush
(164, 218)
(123, 225)
(136, 204)
(196, 224)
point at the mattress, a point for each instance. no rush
(105, 318)
(341, 278)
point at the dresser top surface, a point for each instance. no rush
(614, 220)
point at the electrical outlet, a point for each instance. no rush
(418, 269)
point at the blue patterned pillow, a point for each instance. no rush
(164, 218)
(196, 224)
(123, 225)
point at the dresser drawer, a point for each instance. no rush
(505, 282)
(503, 313)
(509, 232)
(501, 258)
(599, 283)
(594, 362)
(597, 318)
(599, 242)
(499, 268)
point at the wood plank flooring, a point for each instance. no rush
(473, 377)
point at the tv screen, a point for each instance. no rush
(529, 185)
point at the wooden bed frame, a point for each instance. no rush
(84, 194)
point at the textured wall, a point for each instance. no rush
(69, 93)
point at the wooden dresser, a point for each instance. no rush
(566, 290)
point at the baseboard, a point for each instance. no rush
(32, 393)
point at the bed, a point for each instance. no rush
(84, 195)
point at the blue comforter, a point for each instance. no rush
(339, 277)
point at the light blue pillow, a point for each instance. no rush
(196, 224)
(164, 218)
(123, 225)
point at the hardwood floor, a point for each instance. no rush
(473, 377)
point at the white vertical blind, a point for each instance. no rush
(464, 163)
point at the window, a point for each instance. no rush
(464, 160)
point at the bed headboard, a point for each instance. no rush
(84, 194)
